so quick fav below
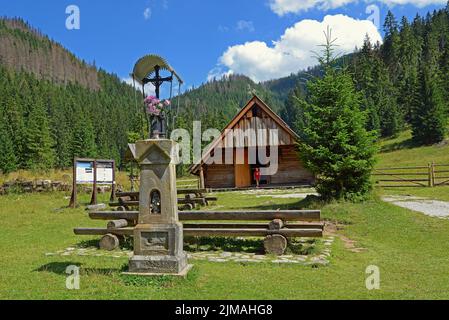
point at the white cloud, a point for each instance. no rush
(417, 3)
(149, 88)
(282, 7)
(147, 13)
(293, 51)
(223, 28)
(244, 25)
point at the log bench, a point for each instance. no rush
(275, 226)
(193, 197)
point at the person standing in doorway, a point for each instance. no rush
(257, 177)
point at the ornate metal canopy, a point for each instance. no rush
(146, 67)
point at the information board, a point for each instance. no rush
(105, 172)
(92, 172)
(84, 172)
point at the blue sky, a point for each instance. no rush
(207, 38)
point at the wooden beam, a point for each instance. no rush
(210, 232)
(289, 215)
(114, 215)
(288, 233)
(179, 191)
(103, 231)
(255, 225)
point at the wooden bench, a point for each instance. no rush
(275, 226)
(193, 197)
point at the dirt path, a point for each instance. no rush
(432, 208)
(331, 229)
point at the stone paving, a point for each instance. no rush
(318, 258)
(432, 208)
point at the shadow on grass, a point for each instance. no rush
(88, 243)
(125, 243)
(207, 244)
(61, 267)
(163, 281)
(199, 244)
(406, 144)
(57, 267)
(310, 202)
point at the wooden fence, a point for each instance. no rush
(431, 175)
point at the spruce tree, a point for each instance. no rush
(39, 153)
(83, 141)
(291, 114)
(379, 95)
(390, 48)
(8, 160)
(334, 143)
(429, 117)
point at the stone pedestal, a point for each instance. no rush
(158, 237)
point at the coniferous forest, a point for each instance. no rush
(54, 106)
(403, 83)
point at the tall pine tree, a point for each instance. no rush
(334, 143)
(429, 116)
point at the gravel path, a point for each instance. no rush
(432, 208)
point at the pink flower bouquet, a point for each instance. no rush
(155, 106)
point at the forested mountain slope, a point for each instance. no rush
(54, 107)
(22, 47)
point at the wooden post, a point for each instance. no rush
(131, 176)
(73, 198)
(93, 200)
(433, 174)
(112, 199)
(202, 184)
(430, 175)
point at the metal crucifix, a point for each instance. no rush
(157, 81)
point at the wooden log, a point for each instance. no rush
(115, 224)
(195, 200)
(401, 186)
(401, 174)
(127, 194)
(249, 225)
(187, 206)
(275, 244)
(288, 233)
(400, 168)
(109, 242)
(190, 196)
(123, 201)
(403, 180)
(103, 231)
(276, 224)
(286, 215)
(179, 191)
(114, 215)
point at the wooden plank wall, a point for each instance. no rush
(240, 138)
(290, 169)
(219, 176)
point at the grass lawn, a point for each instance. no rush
(401, 152)
(410, 249)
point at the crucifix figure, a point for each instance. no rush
(158, 124)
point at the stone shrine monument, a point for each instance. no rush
(158, 236)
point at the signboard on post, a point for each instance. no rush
(84, 172)
(105, 172)
(92, 172)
